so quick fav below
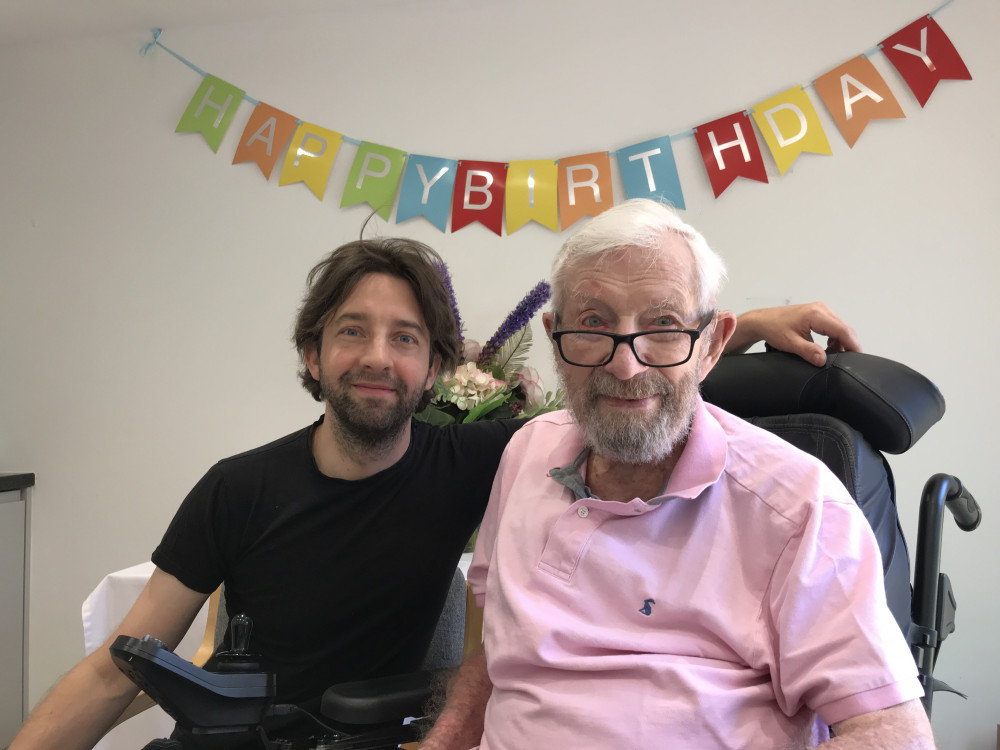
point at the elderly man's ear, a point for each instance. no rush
(721, 331)
(548, 320)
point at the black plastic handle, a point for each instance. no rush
(963, 506)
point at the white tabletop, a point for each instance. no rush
(103, 610)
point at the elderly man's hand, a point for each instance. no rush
(790, 329)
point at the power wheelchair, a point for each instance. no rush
(847, 413)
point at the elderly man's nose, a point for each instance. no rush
(624, 364)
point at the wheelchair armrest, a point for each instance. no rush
(381, 699)
(887, 402)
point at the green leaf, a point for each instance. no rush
(485, 407)
(434, 415)
(514, 353)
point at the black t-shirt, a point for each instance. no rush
(343, 580)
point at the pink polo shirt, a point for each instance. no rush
(726, 613)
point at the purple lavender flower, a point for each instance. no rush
(518, 319)
(442, 270)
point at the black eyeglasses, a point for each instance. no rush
(651, 348)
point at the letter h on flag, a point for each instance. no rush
(729, 149)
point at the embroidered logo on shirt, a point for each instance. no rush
(647, 609)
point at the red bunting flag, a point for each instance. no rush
(265, 135)
(478, 196)
(729, 149)
(923, 55)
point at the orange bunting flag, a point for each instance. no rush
(478, 196)
(923, 55)
(855, 94)
(789, 124)
(266, 133)
(310, 157)
(729, 149)
(532, 194)
(584, 186)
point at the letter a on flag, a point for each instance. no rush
(479, 190)
(729, 149)
(211, 110)
(789, 124)
(265, 135)
(924, 55)
(855, 94)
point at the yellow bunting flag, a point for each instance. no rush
(532, 194)
(855, 94)
(584, 186)
(310, 157)
(790, 125)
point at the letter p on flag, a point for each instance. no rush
(211, 110)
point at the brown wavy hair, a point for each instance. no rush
(333, 279)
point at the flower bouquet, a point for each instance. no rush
(493, 381)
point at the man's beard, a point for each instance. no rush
(634, 436)
(368, 426)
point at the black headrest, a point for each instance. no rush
(887, 402)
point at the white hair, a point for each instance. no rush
(639, 223)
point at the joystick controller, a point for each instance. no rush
(234, 699)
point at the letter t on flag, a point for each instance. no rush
(479, 191)
(211, 110)
(729, 149)
(924, 55)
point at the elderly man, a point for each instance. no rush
(656, 572)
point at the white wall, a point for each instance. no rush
(147, 286)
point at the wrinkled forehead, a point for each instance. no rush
(661, 277)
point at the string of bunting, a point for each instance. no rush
(561, 191)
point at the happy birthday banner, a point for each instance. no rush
(558, 192)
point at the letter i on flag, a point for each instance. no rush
(479, 189)
(374, 177)
(265, 135)
(923, 55)
(426, 189)
(211, 110)
(584, 186)
(789, 124)
(532, 194)
(729, 149)
(855, 94)
(648, 170)
(310, 157)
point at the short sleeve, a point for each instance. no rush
(836, 647)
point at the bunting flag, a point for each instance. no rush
(310, 157)
(374, 177)
(210, 110)
(923, 55)
(789, 125)
(855, 94)
(584, 186)
(532, 194)
(648, 170)
(556, 194)
(729, 150)
(426, 190)
(265, 135)
(479, 189)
